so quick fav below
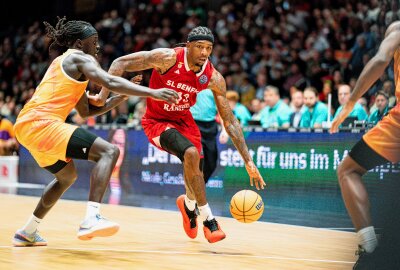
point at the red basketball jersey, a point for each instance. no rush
(184, 81)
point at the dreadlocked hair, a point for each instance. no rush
(65, 33)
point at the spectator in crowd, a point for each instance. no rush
(328, 63)
(295, 78)
(344, 92)
(326, 90)
(297, 106)
(314, 70)
(382, 107)
(276, 113)
(364, 103)
(277, 77)
(342, 54)
(239, 110)
(256, 107)
(247, 92)
(316, 112)
(358, 52)
(8, 143)
(388, 88)
(261, 84)
(393, 14)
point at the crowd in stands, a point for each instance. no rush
(281, 59)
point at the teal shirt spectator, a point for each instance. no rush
(204, 109)
(242, 114)
(358, 112)
(376, 116)
(317, 116)
(275, 116)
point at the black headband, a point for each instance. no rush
(88, 31)
(201, 37)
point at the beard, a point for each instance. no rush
(199, 66)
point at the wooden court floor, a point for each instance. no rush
(154, 239)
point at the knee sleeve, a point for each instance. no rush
(174, 142)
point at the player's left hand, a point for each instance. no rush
(341, 117)
(255, 176)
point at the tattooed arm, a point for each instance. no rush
(159, 59)
(232, 127)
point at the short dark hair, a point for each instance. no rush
(312, 89)
(273, 89)
(382, 93)
(65, 33)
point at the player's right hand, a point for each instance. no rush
(341, 117)
(95, 100)
(165, 94)
(137, 79)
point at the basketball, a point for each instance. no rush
(246, 206)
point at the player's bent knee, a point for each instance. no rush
(341, 172)
(191, 154)
(111, 151)
(345, 170)
(115, 151)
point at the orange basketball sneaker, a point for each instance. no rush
(212, 231)
(189, 217)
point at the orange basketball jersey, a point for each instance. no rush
(56, 95)
(41, 126)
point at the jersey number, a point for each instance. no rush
(185, 97)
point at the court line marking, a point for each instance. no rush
(341, 230)
(337, 228)
(187, 253)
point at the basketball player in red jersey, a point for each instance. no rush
(171, 128)
(41, 127)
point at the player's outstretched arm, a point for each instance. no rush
(160, 59)
(90, 68)
(232, 127)
(86, 110)
(372, 71)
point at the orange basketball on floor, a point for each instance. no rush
(247, 206)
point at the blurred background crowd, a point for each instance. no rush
(281, 59)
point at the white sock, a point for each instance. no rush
(190, 204)
(93, 208)
(32, 224)
(367, 239)
(205, 212)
